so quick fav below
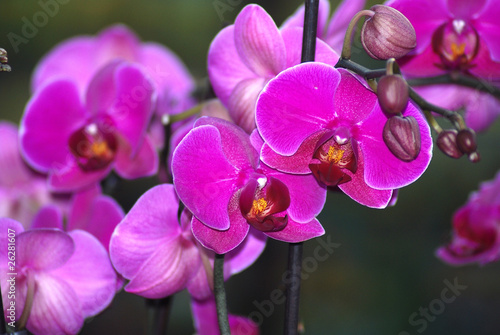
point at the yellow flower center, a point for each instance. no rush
(259, 206)
(335, 155)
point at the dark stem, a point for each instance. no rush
(310, 28)
(295, 249)
(220, 295)
(158, 312)
(458, 79)
(454, 117)
(293, 288)
(163, 174)
(3, 326)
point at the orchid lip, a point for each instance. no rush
(263, 203)
(93, 147)
(457, 44)
(331, 158)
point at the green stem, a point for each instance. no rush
(220, 295)
(346, 47)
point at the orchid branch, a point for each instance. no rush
(220, 295)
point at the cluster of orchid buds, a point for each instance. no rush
(294, 117)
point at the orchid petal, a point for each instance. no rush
(283, 105)
(359, 191)
(43, 249)
(51, 116)
(225, 68)
(258, 41)
(204, 178)
(295, 232)
(222, 242)
(151, 222)
(89, 273)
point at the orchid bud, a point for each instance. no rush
(392, 93)
(402, 137)
(466, 141)
(447, 143)
(387, 34)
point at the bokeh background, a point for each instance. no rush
(384, 268)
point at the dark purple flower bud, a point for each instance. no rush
(402, 137)
(387, 34)
(447, 143)
(466, 141)
(392, 93)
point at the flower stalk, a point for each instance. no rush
(220, 295)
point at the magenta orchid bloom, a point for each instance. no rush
(476, 228)
(78, 142)
(81, 57)
(161, 257)
(333, 32)
(317, 119)
(89, 210)
(218, 176)
(205, 320)
(453, 36)
(22, 191)
(66, 276)
(243, 57)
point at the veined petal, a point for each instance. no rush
(241, 104)
(235, 143)
(56, 307)
(43, 249)
(359, 191)
(298, 232)
(151, 222)
(167, 271)
(259, 42)
(124, 93)
(51, 116)
(144, 162)
(89, 273)
(225, 68)
(353, 100)
(307, 196)
(204, 178)
(223, 242)
(299, 98)
(382, 169)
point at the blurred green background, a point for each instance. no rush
(384, 269)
